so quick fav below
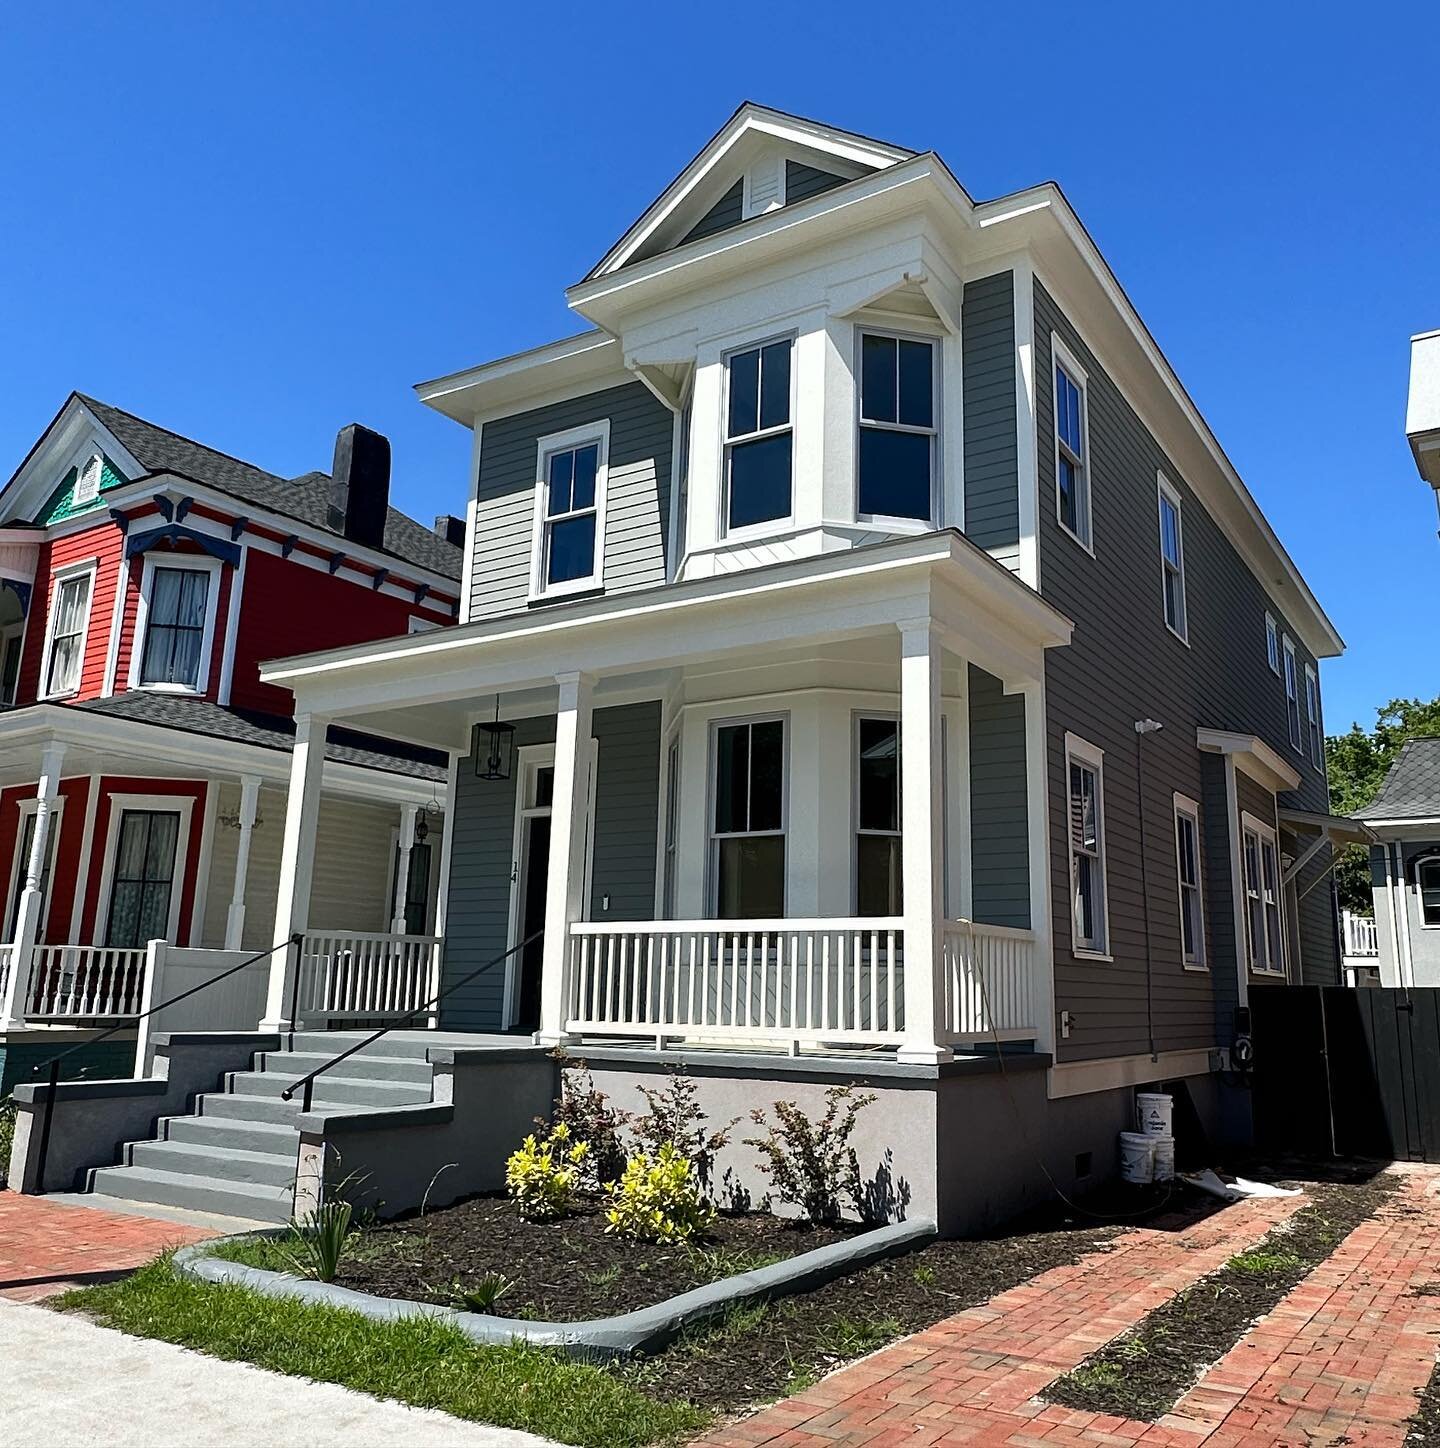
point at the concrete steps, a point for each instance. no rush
(234, 1153)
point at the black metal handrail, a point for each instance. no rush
(307, 1081)
(124, 1023)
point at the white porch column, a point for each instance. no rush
(402, 869)
(235, 916)
(32, 902)
(922, 814)
(565, 880)
(297, 863)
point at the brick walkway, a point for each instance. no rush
(46, 1247)
(1341, 1360)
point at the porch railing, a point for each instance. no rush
(796, 980)
(1361, 936)
(989, 974)
(355, 977)
(82, 982)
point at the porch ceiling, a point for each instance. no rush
(429, 687)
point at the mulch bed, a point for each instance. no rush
(1142, 1374)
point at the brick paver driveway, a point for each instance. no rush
(1341, 1360)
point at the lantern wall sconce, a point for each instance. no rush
(494, 747)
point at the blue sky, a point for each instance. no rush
(256, 222)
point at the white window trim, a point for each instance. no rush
(770, 526)
(181, 804)
(1252, 824)
(712, 854)
(90, 567)
(1190, 809)
(18, 866)
(1272, 646)
(1166, 491)
(1061, 354)
(857, 716)
(573, 437)
(1314, 736)
(1290, 677)
(897, 522)
(1415, 865)
(180, 562)
(1082, 751)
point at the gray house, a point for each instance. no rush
(871, 667)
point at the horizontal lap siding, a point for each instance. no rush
(999, 833)
(728, 211)
(992, 503)
(637, 510)
(802, 182)
(1123, 665)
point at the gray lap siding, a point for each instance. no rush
(1122, 666)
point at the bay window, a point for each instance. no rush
(877, 817)
(747, 823)
(896, 467)
(759, 438)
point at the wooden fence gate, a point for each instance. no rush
(1353, 1071)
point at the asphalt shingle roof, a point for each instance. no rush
(1411, 790)
(267, 731)
(305, 498)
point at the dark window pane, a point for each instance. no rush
(879, 774)
(775, 385)
(895, 473)
(572, 549)
(877, 378)
(917, 392)
(544, 787)
(877, 875)
(587, 462)
(744, 393)
(1067, 494)
(750, 881)
(760, 480)
(732, 778)
(1188, 924)
(562, 474)
(767, 775)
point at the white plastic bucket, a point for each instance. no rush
(1164, 1158)
(1137, 1157)
(1154, 1111)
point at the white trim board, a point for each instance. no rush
(1080, 1078)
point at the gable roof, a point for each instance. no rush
(1411, 790)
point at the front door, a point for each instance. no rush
(534, 874)
(144, 877)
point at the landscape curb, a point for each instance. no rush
(599, 1339)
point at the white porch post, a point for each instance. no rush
(565, 880)
(297, 863)
(922, 812)
(235, 916)
(402, 870)
(32, 902)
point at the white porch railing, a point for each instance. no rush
(989, 982)
(352, 977)
(83, 982)
(791, 980)
(1361, 936)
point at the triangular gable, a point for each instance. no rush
(759, 159)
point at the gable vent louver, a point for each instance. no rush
(764, 188)
(87, 485)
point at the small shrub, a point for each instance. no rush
(483, 1296)
(659, 1200)
(675, 1116)
(317, 1241)
(811, 1164)
(587, 1114)
(543, 1176)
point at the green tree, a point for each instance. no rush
(1357, 764)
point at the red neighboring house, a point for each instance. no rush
(143, 765)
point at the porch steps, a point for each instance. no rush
(234, 1153)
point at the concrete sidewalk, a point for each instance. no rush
(66, 1383)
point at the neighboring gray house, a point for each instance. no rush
(1405, 865)
(902, 680)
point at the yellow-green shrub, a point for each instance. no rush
(541, 1176)
(658, 1199)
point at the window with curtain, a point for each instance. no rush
(144, 877)
(759, 442)
(877, 817)
(175, 628)
(67, 636)
(747, 835)
(897, 427)
(22, 863)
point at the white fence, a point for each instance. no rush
(1360, 935)
(83, 982)
(348, 977)
(989, 982)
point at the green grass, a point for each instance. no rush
(1262, 1264)
(418, 1360)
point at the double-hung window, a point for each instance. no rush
(1172, 561)
(568, 548)
(1427, 886)
(1272, 644)
(896, 477)
(759, 438)
(1314, 737)
(1187, 864)
(1072, 447)
(178, 618)
(877, 817)
(1090, 915)
(1292, 695)
(747, 827)
(69, 621)
(1264, 918)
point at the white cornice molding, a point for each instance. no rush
(1252, 755)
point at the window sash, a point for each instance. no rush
(1087, 859)
(1292, 695)
(747, 864)
(1192, 905)
(175, 627)
(878, 849)
(1264, 912)
(561, 487)
(1272, 643)
(1427, 886)
(759, 419)
(1072, 503)
(1312, 716)
(64, 667)
(1172, 562)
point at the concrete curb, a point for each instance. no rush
(600, 1339)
